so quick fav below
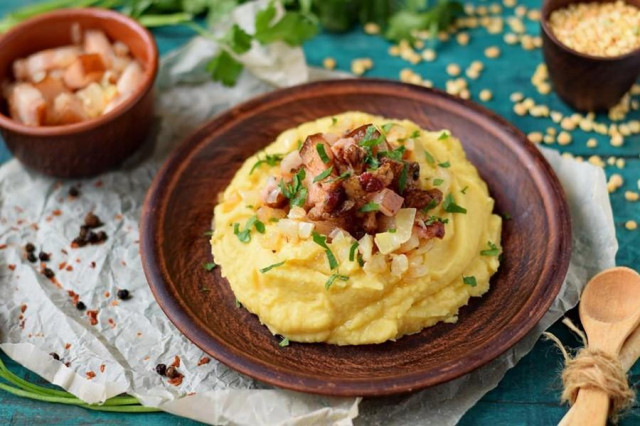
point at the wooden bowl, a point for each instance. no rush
(586, 82)
(179, 206)
(90, 147)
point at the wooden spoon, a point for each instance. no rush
(610, 312)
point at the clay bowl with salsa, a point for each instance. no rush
(61, 139)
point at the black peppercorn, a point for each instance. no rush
(74, 192)
(92, 221)
(30, 248)
(123, 294)
(32, 257)
(55, 356)
(48, 273)
(172, 372)
(81, 306)
(161, 369)
(44, 256)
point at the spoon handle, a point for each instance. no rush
(590, 409)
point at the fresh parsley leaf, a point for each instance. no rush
(391, 231)
(360, 260)
(464, 190)
(333, 278)
(209, 266)
(284, 342)
(333, 121)
(269, 159)
(224, 68)
(208, 233)
(270, 267)
(370, 207)
(259, 226)
(238, 304)
(406, 22)
(395, 154)
(322, 242)
(429, 158)
(445, 165)
(322, 153)
(492, 251)
(323, 175)
(470, 281)
(433, 219)
(238, 40)
(449, 205)
(415, 134)
(293, 28)
(352, 251)
(444, 135)
(243, 236)
(300, 198)
(437, 182)
(295, 191)
(402, 180)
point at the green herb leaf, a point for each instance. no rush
(208, 233)
(270, 267)
(259, 226)
(433, 219)
(445, 165)
(444, 135)
(402, 180)
(209, 266)
(470, 281)
(322, 153)
(322, 242)
(432, 204)
(387, 127)
(370, 207)
(415, 134)
(360, 260)
(333, 121)
(464, 190)
(333, 278)
(406, 22)
(238, 40)
(492, 251)
(238, 304)
(449, 205)
(395, 154)
(429, 158)
(300, 198)
(352, 251)
(391, 231)
(341, 177)
(224, 68)
(437, 182)
(323, 175)
(284, 342)
(293, 28)
(243, 236)
(269, 159)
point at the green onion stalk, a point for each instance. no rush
(20, 387)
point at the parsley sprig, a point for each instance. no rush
(245, 235)
(449, 205)
(493, 250)
(295, 191)
(269, 159)
(322, 242)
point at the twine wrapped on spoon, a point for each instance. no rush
(594, 369)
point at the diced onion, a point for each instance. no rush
(377, 264)
(388, 242)
(297, 213)
(289, 228)
(399, 264)
(365, 246)
(305, 229)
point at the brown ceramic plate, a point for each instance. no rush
(179, 206)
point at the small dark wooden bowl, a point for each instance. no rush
(585, 82)
(93, 146)
(179, 206)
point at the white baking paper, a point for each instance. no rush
(131, 337)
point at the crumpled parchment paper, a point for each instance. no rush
(37, 315)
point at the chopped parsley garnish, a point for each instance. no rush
(370, 207)
(270, 267)
(333, 121)
(209, 266)
(470, 281)
(208, 233)
(295, 191)
(445, 165)
(432, 204)
(341, 177)
(323, 175)
(369, 141)
(352, 251)
(443, 135)
(402, 180)
(299, 144)
(333, 278)
(322, 153)
(387, 127)
(492, 251)
(449, 205)
(395, 154)
(437, 182)
(464, 190)
(429, 158)
(322, 242)
(415, 134)
(284, 342)
(360, 260)
(269, 159)
(433, 219)
(238, 304)
(245, 235)
(391, 231)
(274, 219)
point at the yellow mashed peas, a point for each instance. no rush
(309, 287)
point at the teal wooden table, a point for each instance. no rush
(529, 393)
